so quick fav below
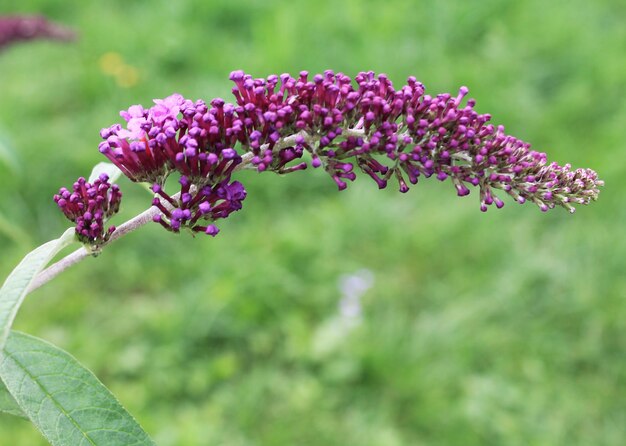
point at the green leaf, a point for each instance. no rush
(8, 404)
(110, 169)
(62, 398)
(13, 291)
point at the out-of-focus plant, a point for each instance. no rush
(19, 28)
(281, 124)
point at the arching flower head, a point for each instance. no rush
(342, 125)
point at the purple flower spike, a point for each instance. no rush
(90, 206)
(401, 133)
(391, 134)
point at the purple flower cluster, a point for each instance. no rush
(175, 134)
(90, 206)
(277, 123)
(191, 138)
(207, 203)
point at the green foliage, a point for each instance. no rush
(62, 398)
(103, 167)
(65, 401)
(505, 328)
(8, 404)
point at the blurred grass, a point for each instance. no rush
(505, 328)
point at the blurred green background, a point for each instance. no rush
(504, 328)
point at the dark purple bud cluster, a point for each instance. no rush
(195, 205)
(90, 206)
